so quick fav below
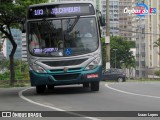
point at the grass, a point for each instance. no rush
(19, 83)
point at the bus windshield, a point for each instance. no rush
(63, 37)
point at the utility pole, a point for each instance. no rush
(107, 39)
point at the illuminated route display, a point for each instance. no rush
(65, 10)
(45, 50)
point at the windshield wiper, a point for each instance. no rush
(74, 23)
(47, 23)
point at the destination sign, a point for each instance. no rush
(61, 10)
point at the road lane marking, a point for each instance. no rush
(142, 95)
(53, 108)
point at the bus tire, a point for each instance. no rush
(95, 86)
(40, 89)
(50, 87)
(86, 85)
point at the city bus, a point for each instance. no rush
(63, 45)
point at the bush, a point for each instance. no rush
(5, 76)
(103, 53)
(21, 70)
(157, 73)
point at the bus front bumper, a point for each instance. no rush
(65, 78)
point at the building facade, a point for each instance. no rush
(138, 28)
(153, 29)
(24, 47)
(120, 23)
(113, 16)
(125, 20)
(147, 33)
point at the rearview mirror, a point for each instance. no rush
(102, 21)
(101, 18)
(23, 25)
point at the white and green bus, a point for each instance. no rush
(63, 45)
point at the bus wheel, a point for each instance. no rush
(95, 86)
(40, 89)
(85, 85)
(50, 87)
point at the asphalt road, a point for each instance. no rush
(128, 96)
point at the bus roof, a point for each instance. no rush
(59, 3)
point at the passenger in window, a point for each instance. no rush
(33, 41)
(36, 42)
(85, 32)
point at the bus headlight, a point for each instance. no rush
(93, 64)
(38, 68)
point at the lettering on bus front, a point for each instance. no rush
(60, 10)
(66, 10)
(38, 12)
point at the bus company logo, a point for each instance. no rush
(141, 10)
(65, 69)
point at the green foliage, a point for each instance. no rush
(132, 44)
(157, 73)
(21, 70)
(103, 53)
(5, 76)
(124, 57)
(11, 16)
(0, 47)
(4, 64)
(25, 3)
(157, 43)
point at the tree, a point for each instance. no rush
(157, 44)
(1, 47)
(124, 56)
(11, 15)
(103, 45)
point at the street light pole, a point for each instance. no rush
(107, 41)
(115, 56)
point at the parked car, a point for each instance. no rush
(114, 74)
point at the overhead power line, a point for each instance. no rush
(130, 31)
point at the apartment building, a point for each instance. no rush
(147, 30)
(114, 16)
(153, 29)
(138, 28)
(120, 23)
(24, 47)
(125, 20)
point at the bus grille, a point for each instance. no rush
(64, 63)
(69, 70)
(66, 77)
